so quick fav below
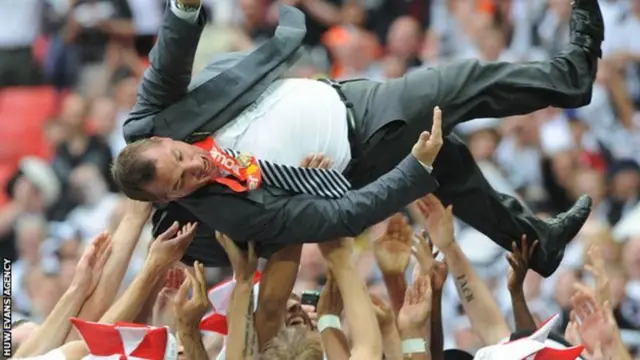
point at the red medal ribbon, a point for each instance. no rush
(244, 168)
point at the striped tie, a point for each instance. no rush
(319, 182)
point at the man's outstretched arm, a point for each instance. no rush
(168, 76)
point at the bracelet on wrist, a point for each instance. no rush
(413, 346)
(185, 7)
(329, 322)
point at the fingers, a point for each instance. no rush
(170, 232)
(306, 161)
(532, 250)
(436, 128)
(424, 138)
(316, 161)
(202, 283)
(326, 163)
(513, 263)
(104, 256)
(183, 292)
(252, 252)
(227, 244)
(408, 295)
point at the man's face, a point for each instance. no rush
(180, 169)
(295, 315)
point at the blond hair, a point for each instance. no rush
(294, 343)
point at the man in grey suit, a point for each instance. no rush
(241, 103)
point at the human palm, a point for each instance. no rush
(417, 304)
(439, 220)
(393, 249)
(384, 314)
(595, 327)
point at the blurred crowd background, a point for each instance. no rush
(68, 76)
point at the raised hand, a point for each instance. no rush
(244, 263)
(393, 249)
(571, 333)
(174, 279)
(519, 263)
(169, 247)
(189, 312)
(417, 305)
(428, 145)
(423, 252)
(594, 326)
(91, 263)
(330, 302)
(597, 267)
(384, 313)
(439, 220)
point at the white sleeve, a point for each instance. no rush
(190, 16)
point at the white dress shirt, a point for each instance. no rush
(292, 119)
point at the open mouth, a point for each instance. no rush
(296, 320)
(206, 166)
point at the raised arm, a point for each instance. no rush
(168, 76)
(486, 319)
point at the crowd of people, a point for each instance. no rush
(81, 250)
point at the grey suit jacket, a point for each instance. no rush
(171, 105)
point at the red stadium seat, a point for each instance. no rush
(23, 113)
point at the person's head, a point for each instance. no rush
(74, 112)
(161, 169)
(624, 178)
(31, 231)
(491, 43)
(87, 185)
(294, 343)
(103, 115)
(296, 316)
(404, 37)
(590, 182)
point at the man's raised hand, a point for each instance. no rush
(393, 249)
(428, 145)
(439, 221)
(244, 263)
(169, 247)
(189, 312)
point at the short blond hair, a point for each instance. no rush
(294, 343)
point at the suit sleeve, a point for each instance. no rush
(304, 218)
(168, 76)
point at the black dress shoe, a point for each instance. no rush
(587, 26)
(561, 230)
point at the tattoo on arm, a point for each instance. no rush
(463, 287)
(249, 333)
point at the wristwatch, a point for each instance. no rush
(186, 7)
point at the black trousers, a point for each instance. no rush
(18, 68)
(390, 116)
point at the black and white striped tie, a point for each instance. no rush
(320, 182)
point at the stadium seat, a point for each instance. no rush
(23, 113)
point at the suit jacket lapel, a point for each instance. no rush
(225, 92)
